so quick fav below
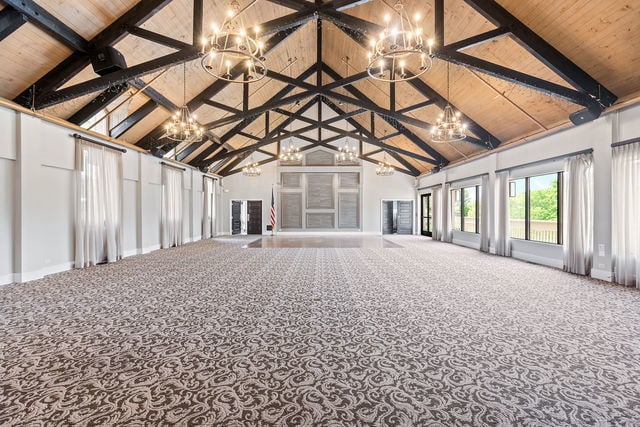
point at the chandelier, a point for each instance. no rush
(252, 168)
(399, 48)
(232, 43)
(384, 168)
(346, 154)
(448, 127)
(183, 126)
(291, 153)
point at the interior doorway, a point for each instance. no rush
(397, 217)
(427, 217)
(246, 217)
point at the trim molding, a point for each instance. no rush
(601, 275)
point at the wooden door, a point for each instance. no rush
(236, 220)
(254, 217)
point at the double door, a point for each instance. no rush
(397, 217)
(246, 217)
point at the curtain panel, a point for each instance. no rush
(501, 214)
(171, 217)
(625, 239)
(208, 215)
(484, 214)
(436, 197)
(98, 211)
(447, 227)
(577, 205)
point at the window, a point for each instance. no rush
(427, 219)
(465, 208)
(535, 208)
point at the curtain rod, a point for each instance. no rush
(551, 159)
(480, 175)
(627, 142)
(93, 141)
(173, 166)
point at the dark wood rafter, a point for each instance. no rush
(235, 171)
(412, 169)
(117, 77)
(77, 61)
(97, 104)
(543, 51)
(276, 135)
(48, 23)
(153, 138)
(158, 38)
(477, 39)
(422, 145)
(10, 20)
(126, 124)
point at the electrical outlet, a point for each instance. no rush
(600, 249)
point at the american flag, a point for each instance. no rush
(272, 215)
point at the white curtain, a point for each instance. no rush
(577, 219)
(447, 233)
(625, 199)
(208, 216)
(436, 198)
(484, 214)
(501, 214)
(171, 211)
(98, 219)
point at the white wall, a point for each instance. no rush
(374, 189)
(597, 135)
(37, 168)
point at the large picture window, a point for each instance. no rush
(465, 207)
(535, 208)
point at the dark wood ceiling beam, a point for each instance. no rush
(297, 5)
(77, 61)
(342, 20)
(116, 77)
(438, 22)
(202, 160)
(198, 22)
(221, 106)
(341, 5)
(10, 20)
(415, 139)
(415, 106)
(522, 79)
(286, 22)
(97, 104)
(183, 154)
(261, 143)
(153, 138)
(370, 133)
(478, 39)
(485, 138)
(260, 163)
(544, 52)
(257, 111)
(158, 38)
(51, 25)
(147, 108)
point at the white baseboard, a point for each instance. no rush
(6, 279)
(130, 252)
(150, 249)
(549, 262)
(472, 245)
(602, 274)
(39, 274)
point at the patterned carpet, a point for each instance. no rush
(214, 334)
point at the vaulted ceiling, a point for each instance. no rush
(517, 69)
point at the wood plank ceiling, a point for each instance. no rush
(517, 70)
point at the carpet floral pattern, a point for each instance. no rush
(215, 334)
